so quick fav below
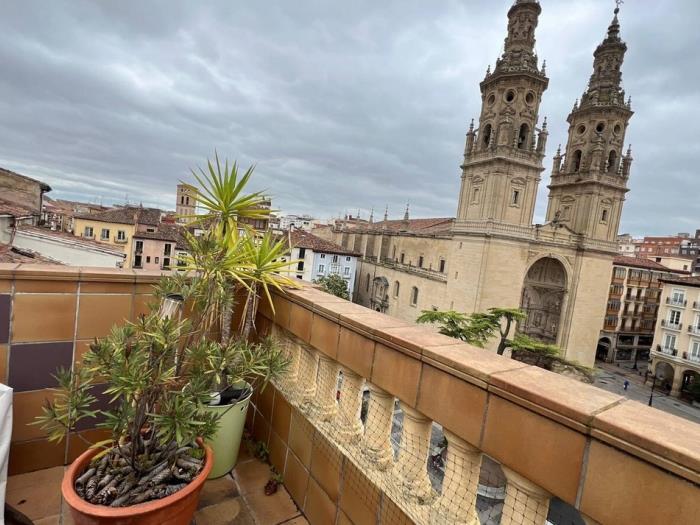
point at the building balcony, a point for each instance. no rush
(667, 350)
(671, 326)
(676, 302)
(696, 305)
(121, 241)
(695, 330)
(350, 427)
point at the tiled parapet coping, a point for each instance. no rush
(48, 317)
(614, 460)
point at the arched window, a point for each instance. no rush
(612, 162)
(576, 165)
(367, 284)
(396, 288)
(414, 296)
(486, 134)
(523, 136)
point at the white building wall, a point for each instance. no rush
(321, 264)
(67, 253)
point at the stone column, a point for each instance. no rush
(377, 439)
(525, 503)
(327, 386)
(677, 382)
(457, 504)
(309, 375)
(411, 466)
(349, 405)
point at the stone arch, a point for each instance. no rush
(486, 135)
(576, 160)
(665, 374)
(689, 378)
(544, 292)
(612, 162)
(603, 349)
(523, 136)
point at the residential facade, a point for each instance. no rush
(162, 249)
(663, 245)
(491, 254)
(117, 226)
(629, 246)
(676, 348)
(58, 214)
(21, 201)
(632, 309)
(297, 222)
(318, 257)
(692, 249)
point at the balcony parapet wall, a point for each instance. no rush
(552, 436)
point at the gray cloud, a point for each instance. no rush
(341, 105)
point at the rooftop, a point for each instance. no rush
(165, 232)
(304, 239)
(642, 262)
(60, 236)
(685, 281)
(13, 255)
(125, 215)
(431, 225)
(15, 210)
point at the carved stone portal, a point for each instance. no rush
(542, 300)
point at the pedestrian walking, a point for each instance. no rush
(625, 384)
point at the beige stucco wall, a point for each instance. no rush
(484, 272)
(113, 227)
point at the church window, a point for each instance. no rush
(420, 261)
(487, 134)
(403, 257)
(396, 288)
(612, 160)
(515, 199)
(577, 160)
(510, 95)
(600, 127)
(604, 216)
(442, 265)
(491, 99)
(530, 97)
(523, 136)
(581, 129)
(414, 296)
(617, 129)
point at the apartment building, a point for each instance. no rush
(664, 245)
(319, 258)
(162, 249)
(676, 349)
(118, 226)
(692, 249)
(631, 311)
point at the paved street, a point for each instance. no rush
(611, 377)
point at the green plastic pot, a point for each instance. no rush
(227, 440)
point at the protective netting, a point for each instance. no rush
(387, 463)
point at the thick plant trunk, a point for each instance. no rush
(250, 311)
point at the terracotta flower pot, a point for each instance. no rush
(176, 509)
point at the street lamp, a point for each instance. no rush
(660, 377)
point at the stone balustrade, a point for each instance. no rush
(592, 456)
(353, 425)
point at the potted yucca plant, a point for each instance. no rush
(177, 381)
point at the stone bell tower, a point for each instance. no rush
(589, 181)
(503, 156)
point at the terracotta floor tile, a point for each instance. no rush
(274, 509)
(252, 476)
(299, 520)
(223, 513)
(36, 494)
(217, 491)
(51, 520)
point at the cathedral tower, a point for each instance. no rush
(589, 181)
(503, 155)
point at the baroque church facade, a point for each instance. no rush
(491, 254)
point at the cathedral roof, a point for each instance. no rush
(431, 225)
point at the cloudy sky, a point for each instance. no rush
(341, 105)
